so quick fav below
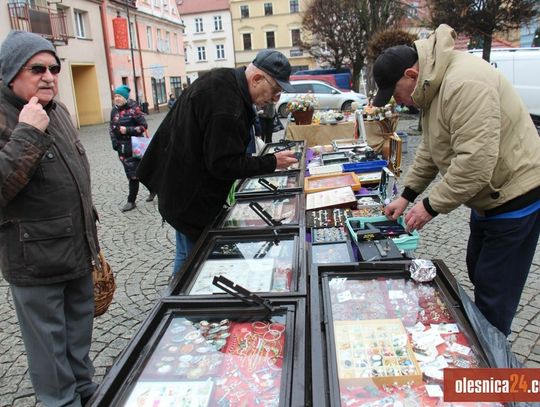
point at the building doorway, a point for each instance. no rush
(85, 87)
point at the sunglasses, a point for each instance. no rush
(41, 69)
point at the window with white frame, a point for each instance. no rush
(133, 35)
(198, 25)
(220, 51)
(201, 53)
(268, 10)
(159, 41)
(80, 31)
(175, 47)
(149, 40)
(218, 25)
(293, 6)
(185, 56)
(244, 11)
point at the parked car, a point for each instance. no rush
(328, 97)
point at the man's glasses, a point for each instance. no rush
(275, 88)
(41, 69)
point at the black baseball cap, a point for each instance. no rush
(275, 64)
(389, 68)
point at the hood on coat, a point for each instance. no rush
(434, 55)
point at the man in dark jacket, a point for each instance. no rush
(200, 148)
(48, 236)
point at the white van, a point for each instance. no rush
(521, 66)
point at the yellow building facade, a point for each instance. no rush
(277, 24)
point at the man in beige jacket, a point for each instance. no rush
(478, 135)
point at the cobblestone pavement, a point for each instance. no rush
(140, 250)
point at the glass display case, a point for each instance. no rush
(290, 181)
(386, 338)
(298, 147)
(262, 263)
(212, 353)
(280, 211)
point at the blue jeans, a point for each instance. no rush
(499, 256)
(184, 245)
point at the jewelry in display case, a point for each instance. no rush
(332, 217)
(284, 209)
(214, 363)
(392, 337)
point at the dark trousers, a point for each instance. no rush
(499, 256)
(56, 325)
(133, 190)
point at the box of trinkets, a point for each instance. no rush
(377, 350)
(393, 229)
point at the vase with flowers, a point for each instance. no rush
(302, 108)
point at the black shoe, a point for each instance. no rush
(128, 207)
(150, 197)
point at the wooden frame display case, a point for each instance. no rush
(297, 146)
(282, 211)
(385, 336)
(271, 184)
(318, 183)
(261, 262)
(212, 353)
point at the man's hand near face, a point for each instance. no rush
(33, 114)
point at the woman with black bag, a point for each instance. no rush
(127, 120)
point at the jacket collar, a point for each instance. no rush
(244, 90)
(18, 102)
(434, 56)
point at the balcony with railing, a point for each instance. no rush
(48, 23)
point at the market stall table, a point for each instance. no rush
(319, 134)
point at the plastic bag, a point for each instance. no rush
(139, 146)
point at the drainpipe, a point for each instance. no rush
(140, 58)
(103, 15)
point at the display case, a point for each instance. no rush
(278, 211)
(261, 262)
(318, 183)
(380, 338)
(277, 183)
(335, 158)
(298, 147)
(212, 353)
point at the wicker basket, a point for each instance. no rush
(104, 286)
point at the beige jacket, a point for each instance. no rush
(476, 131)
